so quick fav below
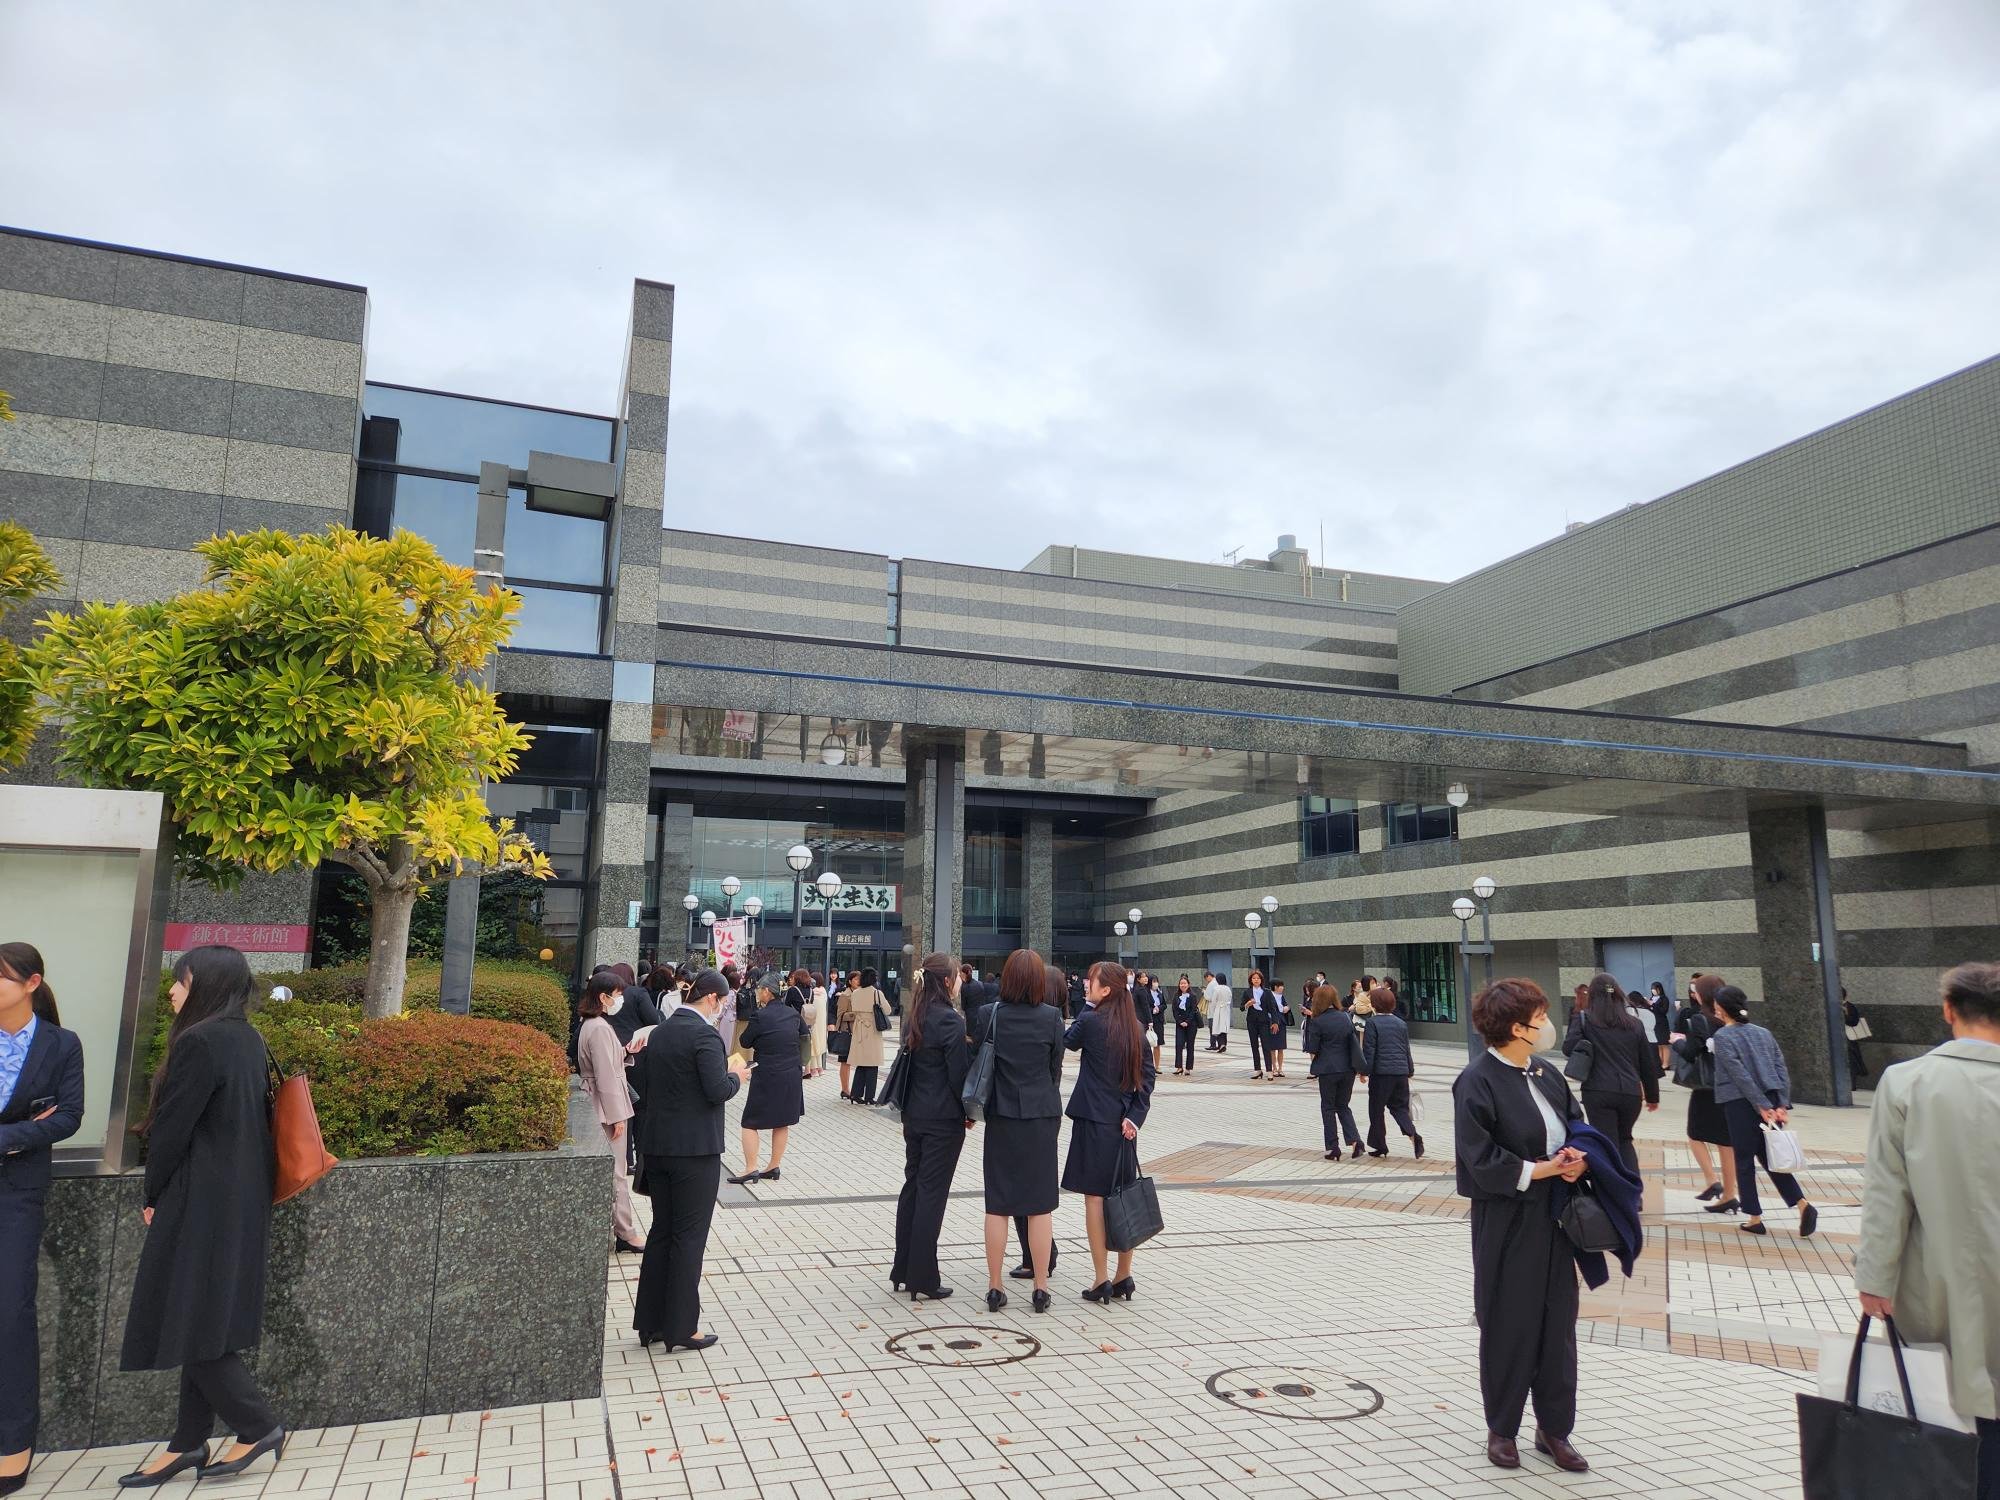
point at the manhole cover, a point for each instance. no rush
(1298, 1394)
(963, 1344)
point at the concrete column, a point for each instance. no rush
(1794, 898)
(1038, 877)
(919, 802)
(676, 864)
(948, 850)
(933, 843)
(1375, 959)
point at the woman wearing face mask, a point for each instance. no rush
(41, 1102)
(601, 1065)
(1512, 1113)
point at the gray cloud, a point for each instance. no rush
(962, 280)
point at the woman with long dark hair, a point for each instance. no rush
(1706, 1126)
(198, 1299)
(1022, 1118)
(1624, 1070)
(935, 1060)
(1114, 1090)
(41, 1102)
(1187, 1021)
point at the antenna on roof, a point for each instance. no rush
(1232, 555)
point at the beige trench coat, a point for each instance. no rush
(865, 1051)
(1930, 1211)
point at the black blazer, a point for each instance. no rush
(1498, 1127)
(1327, 1039)
(685, 1078)
(1260, 1008)
(1097, 1095)
(52, 1071)
(1626, 1062)
(937, 1068)
(1027, 1059)
(1186, 1009)
(771, 1035)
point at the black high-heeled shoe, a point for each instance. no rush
(935, 1294)
(13, 1483)
(1757, 1228)
(1726, 1206)
(272, 1443)
(769, 1174)
(995, 1300)
(1710, 1193)
(1042, 1300)
(139, 1479)
(1124, 1288)
(1099, 1293)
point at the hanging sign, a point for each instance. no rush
(732, 941)
(861, 898)
(739, 724)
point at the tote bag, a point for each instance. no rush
(302, 1155)
(1849, 1452)
(978, 1090)
(1782, 1151)
(1132, 1211)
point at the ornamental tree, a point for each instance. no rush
(319, 698)
(25, 573)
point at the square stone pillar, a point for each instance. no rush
(1038, 877)
(1794, 899)
(933, 843)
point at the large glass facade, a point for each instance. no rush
(420, 458)
(1429, 981)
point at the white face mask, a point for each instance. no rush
(1545, 1035)
(613, 1004)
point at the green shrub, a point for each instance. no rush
(524, 993)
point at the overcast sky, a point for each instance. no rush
(960, 280)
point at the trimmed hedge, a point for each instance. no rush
(526, 994)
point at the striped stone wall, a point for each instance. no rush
(159, 401)
(738, 583)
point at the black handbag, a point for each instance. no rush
(1582, 1058)
(978, 1090)
(897, 1094)
(837, 1043)
(1587, 1225)
(1851, 1452)
(1132, 1210)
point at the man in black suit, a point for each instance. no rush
(685, 1079)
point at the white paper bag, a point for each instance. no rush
(1417, 1109)
(1782, 1152)
(1930, 1378)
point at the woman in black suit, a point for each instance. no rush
(777, 1098)
(198, 1300)
(1624, 1070)
(1114, 1090)
(1280, 1036)
(1334, 1047)
(41, 1102)
(934, 1063)
(1512, 1114)
(1022, 1118)
(1186, 1006)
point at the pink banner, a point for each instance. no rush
(732, 942)
(250, 937)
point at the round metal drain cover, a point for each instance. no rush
(1295, 1393)
(963, 1344)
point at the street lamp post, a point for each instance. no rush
(1118, 930)
(690, 903)
(828, 886)
(730, 886)
(708, 928)
(1465, 909)
(800, 858)
(1252, 921)
(1135, 917)
(753, 908)
(1270, 905)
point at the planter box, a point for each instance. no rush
(399, 1286)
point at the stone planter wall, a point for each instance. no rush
(398, 1286)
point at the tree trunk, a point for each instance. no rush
(388, 947)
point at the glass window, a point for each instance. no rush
(559, 752)
(557, 818)
(458, 433)
(445, 512)
(557, 620)
(557, 548)
(1419, 823)
(1429, 981)
(1328, 826)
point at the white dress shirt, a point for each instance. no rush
(1552, 1123)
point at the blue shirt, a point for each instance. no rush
(14, 1057)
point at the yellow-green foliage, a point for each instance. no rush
(25, 573)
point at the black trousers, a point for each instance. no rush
(1615, 1115)
(1856, 1068)
(1184, 1048)
(667, 1305)
(1256, 1031)
(1388, 1096)
(1027, 1256)
(1746, 1139)
(930, 1156)
(1335, 1090)
(863, 1087)
(1525, 1299)
(1989, 1458)
(224, 1388)
(21, 1212)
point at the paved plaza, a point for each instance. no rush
(1302, 1327)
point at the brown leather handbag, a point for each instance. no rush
(302, 1155)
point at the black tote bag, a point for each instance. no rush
(1132, 1211)
(978, 1091)
(1850, 1452)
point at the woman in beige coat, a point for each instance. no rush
(600, 1063)
(859, 1008)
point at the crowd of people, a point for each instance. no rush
(661, 1059)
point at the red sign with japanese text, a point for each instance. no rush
(250, 937)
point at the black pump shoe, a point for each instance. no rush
(16, 1482)
(139, 1479)
(1757, 1228)
(272, 1443)
(1099, 1293)
(742, 1177)
(1042, 1300)
(935, 1294)
(1124, 1288)
(1710, 1193)
(1808, 1221)
(1726, 1206)
(995, 1300)
(1022, 1273)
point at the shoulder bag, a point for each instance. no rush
(302, 1155)
(879, 1012)
(978, 1090)
(1586, 1224)
(897, 1092)
(1582, 1058)
(1132, 1209)
(1694, 1065)
(1848, 1451)
(841, 1037)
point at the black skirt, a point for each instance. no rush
(1705, 1119)
(1098, 1159)
(777, 1097)
(1020, 1161)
